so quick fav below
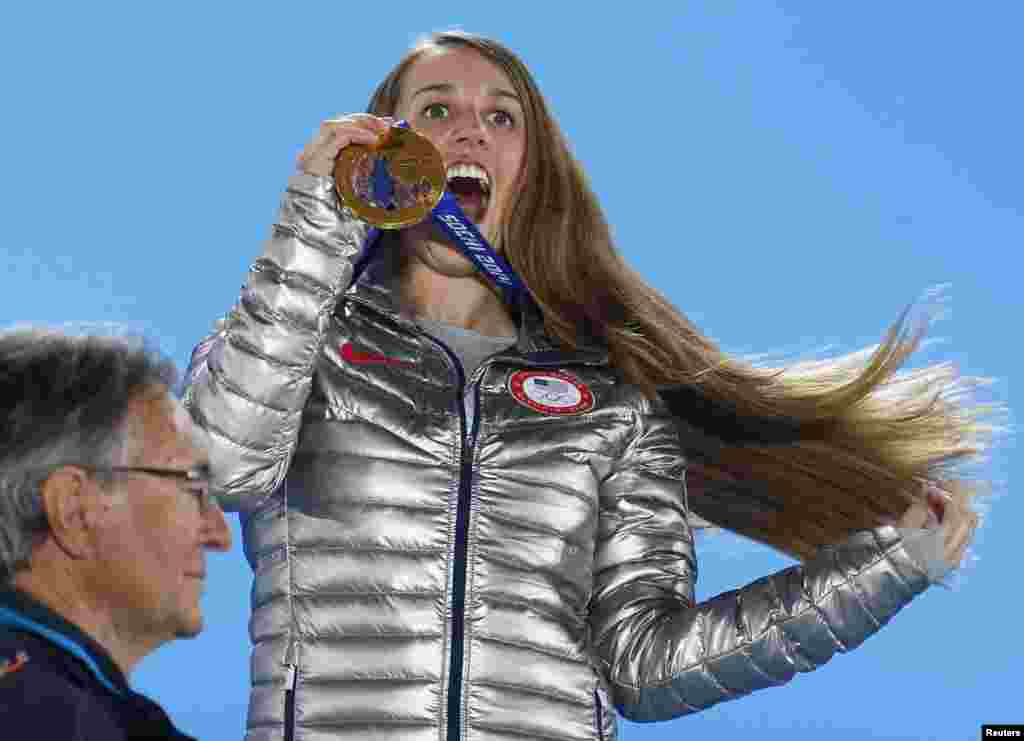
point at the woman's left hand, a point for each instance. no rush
(953, 512)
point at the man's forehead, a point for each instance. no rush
(168, 429)
(189, 431)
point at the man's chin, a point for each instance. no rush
(190, 631)
(191, 625)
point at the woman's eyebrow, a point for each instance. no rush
(447, 87)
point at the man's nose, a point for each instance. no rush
(216, 533)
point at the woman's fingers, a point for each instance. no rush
(317, 157)
(961, 523)
(319, 154)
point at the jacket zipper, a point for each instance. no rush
(457, 652)
(289, 704)
(598, 716)
(459, 583)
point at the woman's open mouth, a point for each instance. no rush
(471, 187)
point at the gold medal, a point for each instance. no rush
(394, 183)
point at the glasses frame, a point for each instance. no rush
(198, 475)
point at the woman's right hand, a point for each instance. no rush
(952, 510)
(317, 158)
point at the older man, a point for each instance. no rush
(105, 517)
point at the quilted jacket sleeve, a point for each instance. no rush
(247, 383)
(665, 656)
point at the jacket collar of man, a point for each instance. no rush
(376, 285)
(20, 611)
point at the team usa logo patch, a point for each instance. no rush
(550, 392)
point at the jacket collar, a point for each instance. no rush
(20, 611)
(376, 285)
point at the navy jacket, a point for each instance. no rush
(58, 683)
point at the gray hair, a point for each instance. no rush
(63, 398)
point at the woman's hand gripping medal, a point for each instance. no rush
(320, 155)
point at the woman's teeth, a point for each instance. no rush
(471, 172)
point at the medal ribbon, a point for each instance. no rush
(448, 215)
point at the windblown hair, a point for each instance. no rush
(859, 440)
(63, 398)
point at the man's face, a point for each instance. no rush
(151, 561)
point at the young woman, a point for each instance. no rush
(467, 517)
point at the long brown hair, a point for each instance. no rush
(866, 438)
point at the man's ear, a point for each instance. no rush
(70, 504)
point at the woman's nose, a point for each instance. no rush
(472, 136)
(469, 129)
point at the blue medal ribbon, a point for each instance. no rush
(448, 215)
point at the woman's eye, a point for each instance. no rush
(436, 111)
(503, 119)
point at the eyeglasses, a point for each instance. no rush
(195, 481)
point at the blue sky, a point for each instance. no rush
(790, 174)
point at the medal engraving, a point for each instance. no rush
(393, 184)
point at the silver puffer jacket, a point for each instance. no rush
(520, 577)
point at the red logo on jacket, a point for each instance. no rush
(362, 357)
